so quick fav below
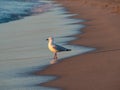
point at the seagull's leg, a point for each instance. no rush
(55, 56)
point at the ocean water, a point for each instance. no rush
(17, 9)
(23, 45)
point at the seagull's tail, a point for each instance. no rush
(68, 49)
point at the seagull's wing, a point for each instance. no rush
(60, 48)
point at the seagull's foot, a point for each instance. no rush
(53, 61)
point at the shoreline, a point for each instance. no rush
(98, 70)
(23, 51)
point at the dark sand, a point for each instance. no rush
(98, 70)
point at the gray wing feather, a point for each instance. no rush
(60, 48)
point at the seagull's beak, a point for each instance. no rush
(47, 39)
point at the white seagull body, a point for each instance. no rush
(55, 48)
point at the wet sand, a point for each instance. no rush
(100, 69)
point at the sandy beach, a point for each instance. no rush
(98, 70)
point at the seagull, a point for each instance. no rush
(55, 48)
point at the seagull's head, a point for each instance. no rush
(50, 39)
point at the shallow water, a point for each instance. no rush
(23, 47)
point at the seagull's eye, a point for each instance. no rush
(47, 39)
